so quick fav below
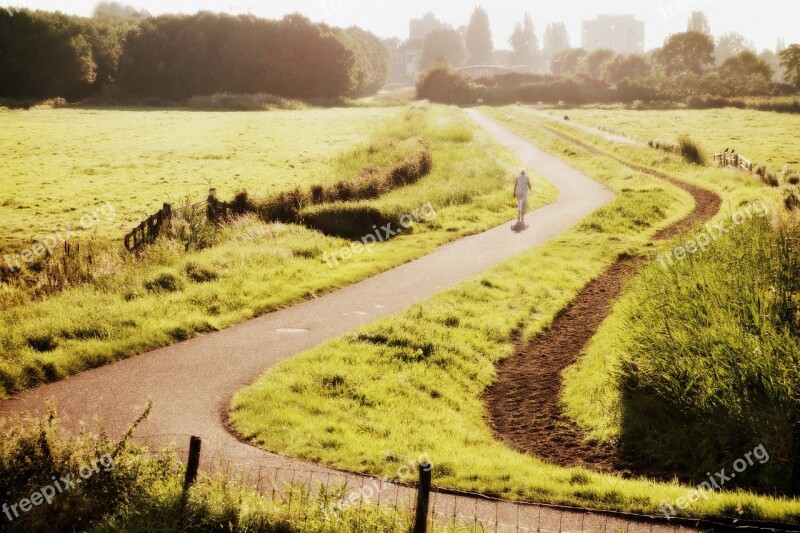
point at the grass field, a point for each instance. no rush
(65, 163)
(255, 267)
(759, 136)
(413, 382)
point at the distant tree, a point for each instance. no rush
(746, 73)
(479, 38)
(568, 61)
(371, 70)
(686, 53)
(556, 40)
(772, 59)
(628, 67)
(698, 22)
(732, 44)
(524, 43)
(790, 61)
(122, 11)
(45, 55)
(597, 63)
(446, 44)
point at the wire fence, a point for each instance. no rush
(303, 495)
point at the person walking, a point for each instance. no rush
(522, 187)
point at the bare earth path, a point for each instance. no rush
(191, 383)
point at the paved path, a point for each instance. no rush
(607, 135)
(191, 383)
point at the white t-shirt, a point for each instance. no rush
(522, 186)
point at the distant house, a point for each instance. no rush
(405, 58)
(621, 33)
(405, 64)
(484, 71)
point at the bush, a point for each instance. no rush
(444, 85)
(34, 452)
(243, 102)
(766, 175)
(666, 146)
(164, 282)
(690, 151)
(789, 175)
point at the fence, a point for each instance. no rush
(307, 497)
(733, 160)
(150, 229)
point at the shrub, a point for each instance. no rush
(190, 226)
(666, 146)
(33, 452)
(766, 175)
(243, 102)
(164, 282)
(789, 175)
(444, 85)
(690, 151)
(200, 273)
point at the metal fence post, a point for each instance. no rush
(193, 464)
(423, 498)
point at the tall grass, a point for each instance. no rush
(691, 151)
(133, 489)
(712, 360)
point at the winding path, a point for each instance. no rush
(191, 383)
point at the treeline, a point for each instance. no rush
(127, 54)
(684, 69)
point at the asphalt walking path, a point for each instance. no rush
(192, 383)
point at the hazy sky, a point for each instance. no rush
(761, 21)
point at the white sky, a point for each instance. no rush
(761, 21)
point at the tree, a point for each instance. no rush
(556, 40)
(746, 73)
(121, 11)
(479, 38)
(372, 70)
(597, 62)
(732, 44)
(686, 53)
(628, 67)
(524, 43)
(698, 22)
(772, 59)
(567, 61)
(443, 43)
(790, 61)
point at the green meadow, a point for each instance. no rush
(65, 163)
(763, 137)
(413, 382)
(177, 290)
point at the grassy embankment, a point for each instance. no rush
(255, 267)
(413, 382)
(698, 363)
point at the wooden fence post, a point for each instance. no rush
(423, 498)
(193, 464)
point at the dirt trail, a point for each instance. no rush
(524, 403)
